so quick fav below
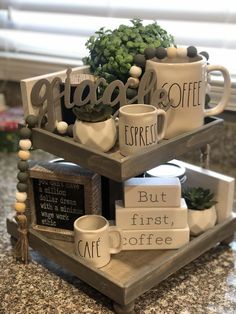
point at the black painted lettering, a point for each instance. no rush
(199, 92)
(126, 136)
(149, 238)
(159, 240)
(157, 220)
(141, 239)
(168, 240)
(163, 197)
(142, 196)
(133, 241)
(131, 143)
(166, 218)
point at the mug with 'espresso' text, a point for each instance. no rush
(140, 126)
(185, 81)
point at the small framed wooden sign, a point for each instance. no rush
(59, 193)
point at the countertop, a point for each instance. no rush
(207, 285)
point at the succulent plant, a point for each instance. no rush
(198, 198)
(93, 113)
(112, 53)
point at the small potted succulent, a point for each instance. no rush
(201, 209)
(95, 126)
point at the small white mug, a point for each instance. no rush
(140, 126)
(95, 240)
(185, 81)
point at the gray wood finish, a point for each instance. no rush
(130, 273)
(112, 164)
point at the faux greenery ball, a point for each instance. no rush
(112, 53)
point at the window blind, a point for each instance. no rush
(59, 29)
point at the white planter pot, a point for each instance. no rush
(201, 220)
(99, 135)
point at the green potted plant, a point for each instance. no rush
(201, 209)
(95, 126)
(112, 52)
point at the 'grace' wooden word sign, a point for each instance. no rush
(45, 94)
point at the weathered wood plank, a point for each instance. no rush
(169, 149)
(116, 167)
(131, 273)
(61, 252)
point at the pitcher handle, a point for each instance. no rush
(226, 90)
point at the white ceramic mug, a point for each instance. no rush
(95, 240)
(185, 81)
(140, 126)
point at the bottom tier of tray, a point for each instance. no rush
(130, 273)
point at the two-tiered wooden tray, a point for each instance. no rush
(130, 273)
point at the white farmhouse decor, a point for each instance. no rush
(152, 192)
(201, 220)
(155, 239)
(151, 217)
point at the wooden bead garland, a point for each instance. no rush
(25, 144)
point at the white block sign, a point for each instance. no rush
(152, 192)
(151, 218)
(155, 239)
(221, 185)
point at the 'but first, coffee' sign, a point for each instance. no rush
(152, 192)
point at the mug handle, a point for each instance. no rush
(161, 123)
(116, 239)
(226, 94)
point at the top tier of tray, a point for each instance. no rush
(112, 164)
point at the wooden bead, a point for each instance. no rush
(22, 176)
(24, 154)
(191, 51)
(20, 207)
(205, 54)
(25, 144)
(182, 52)
(62, 127)
(171, 52)
(149, 53)
(161, 52)
(131, 93)
(21, 197)
(70, 130)
(25, 133)
(140, 60)
(23, 165)
(44, 121)
(31, 120)
(22, 187)
(135, 71)
(133, 82)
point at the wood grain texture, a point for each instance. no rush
(129, 274)
(119, 168)
(27, 85)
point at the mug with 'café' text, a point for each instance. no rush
(95, 240)
(185, 81)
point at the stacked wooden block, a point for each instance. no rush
(153, 215)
